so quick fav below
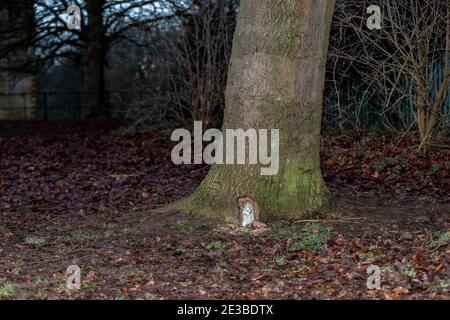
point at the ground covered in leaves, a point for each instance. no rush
(80, 193)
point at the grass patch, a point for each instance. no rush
(440, 239)
(127, 230)
(312, 237)
(34, 241)
(408, 270)
(279, 260)
(387, 269)
(438, 286)
(368, 257)
(215, 245)
(7, 290)
(80, 236)
(181, 224)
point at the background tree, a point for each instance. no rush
(197, 56)
(103, 23)
(180, 71)
(276, 81)
(16, 32)
(96, 45)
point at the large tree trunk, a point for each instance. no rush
(276, 81)
(94, 76)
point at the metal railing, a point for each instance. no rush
(61, 105)
(118, 104)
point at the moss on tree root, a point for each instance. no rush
(293, 194)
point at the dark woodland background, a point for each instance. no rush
(147, 61)
(85, 122)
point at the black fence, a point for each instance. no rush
(63, 105)
(136, 105)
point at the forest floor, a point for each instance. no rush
(79, 194)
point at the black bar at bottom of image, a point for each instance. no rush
(197, 309)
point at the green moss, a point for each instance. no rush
(198, 205)
(296, 193)
(291, 195)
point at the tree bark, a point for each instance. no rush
(276, 81)
(94, 76)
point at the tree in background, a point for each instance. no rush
(103, 23)
(16, 32)
(197, 58)
(180, 72)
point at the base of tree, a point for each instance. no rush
(294, 194)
